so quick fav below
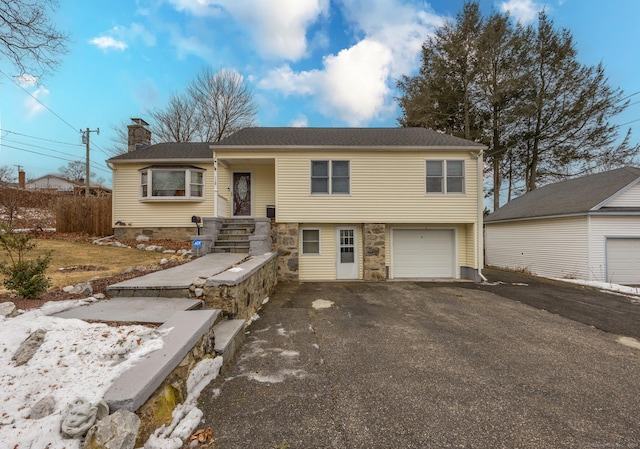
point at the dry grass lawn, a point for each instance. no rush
(81, 262)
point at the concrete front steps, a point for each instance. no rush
(233, 236)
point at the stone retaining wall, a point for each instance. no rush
(180, 234)
(157, 410)
(242, 299)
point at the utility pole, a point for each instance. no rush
(85, 140)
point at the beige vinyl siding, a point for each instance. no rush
(601, 228)
(464, 243)
(322, 267)
(630, 198)
(128, 208)
(385, 187)
(546, 247)
(263, 185)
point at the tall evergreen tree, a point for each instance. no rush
(565, 118)
(439, 97)
(522, 91)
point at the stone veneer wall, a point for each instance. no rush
(182, 234)
(242, 300)
(284, 237)
(374, 252)
(173, 391)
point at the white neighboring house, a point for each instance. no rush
(584, 228)
(53, 183)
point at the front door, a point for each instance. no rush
(242, 194)
(347, 253)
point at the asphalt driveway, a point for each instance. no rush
(422, 365)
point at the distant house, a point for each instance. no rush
(585, 228)
(344, 203)
(53, 183)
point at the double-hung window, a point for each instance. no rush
(311, 241)
(445, 176)
(172, 183)
(330, 177)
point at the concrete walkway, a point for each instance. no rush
(182, 275)
(155, 309)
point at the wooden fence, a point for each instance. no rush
(91, 215)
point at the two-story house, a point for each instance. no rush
(345, 203)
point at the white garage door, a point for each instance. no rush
(423, 253)
(623, 261)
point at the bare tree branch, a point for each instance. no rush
(27, 37)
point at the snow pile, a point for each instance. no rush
(624, 289)
(76, 360)
(186, 416)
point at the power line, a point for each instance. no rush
(95, 167)
(41, 138)
(75, 129)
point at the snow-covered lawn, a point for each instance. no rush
(633, 292)
(78, 360)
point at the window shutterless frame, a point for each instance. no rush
(330, 177)
(310, 239)
(444, 176)
(171, 183)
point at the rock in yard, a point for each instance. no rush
(44, 407)
(29, 347)
(117, 431)
(142, 238)
(7, 308)
(83, 288)
(199, 282)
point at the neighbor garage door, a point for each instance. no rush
(423, 253)
(623, 261)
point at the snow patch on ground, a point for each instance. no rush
(322, 304)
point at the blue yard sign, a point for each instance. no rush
(197, 243)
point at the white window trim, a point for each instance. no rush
(187, 196)
(330, 177)
(319, 253)
(444, 177)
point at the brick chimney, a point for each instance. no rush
(139, 134)
(22, 180)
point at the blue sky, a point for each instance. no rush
(308, 62)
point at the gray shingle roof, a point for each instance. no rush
(574, 196)
(167, 151)
(302, 137)
(345, 137)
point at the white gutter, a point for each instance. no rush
(480, 236)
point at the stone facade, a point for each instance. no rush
(242, 300)
(180, 234)
(284, 237)
(374, 268)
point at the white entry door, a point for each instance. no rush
(347, 253)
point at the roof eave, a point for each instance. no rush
(349, 147)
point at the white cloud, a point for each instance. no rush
(108, 43)
(299, 122)
(353, 84)
(524, 11)
(26, 80)
(356, 84)
(278, 27)
(34, 107)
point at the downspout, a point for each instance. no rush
(480, 236)
(215, 185)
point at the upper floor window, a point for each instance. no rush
(330, 177)
(445, 176)
(172, 183)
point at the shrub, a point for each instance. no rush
(22, 275)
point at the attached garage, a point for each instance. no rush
(623, 260)
(423, 253)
